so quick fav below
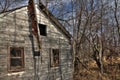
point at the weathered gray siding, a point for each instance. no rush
(16, 31)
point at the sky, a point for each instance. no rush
(17, 3)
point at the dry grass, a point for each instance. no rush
(111, 70)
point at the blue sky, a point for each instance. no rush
(14, 3)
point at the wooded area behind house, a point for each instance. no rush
(94, 26)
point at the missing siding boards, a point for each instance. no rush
(37, 53)
(43, 29)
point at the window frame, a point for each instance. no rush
(52, 56)
(15, 69)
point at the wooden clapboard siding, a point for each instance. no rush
(15, 30)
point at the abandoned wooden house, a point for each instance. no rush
(33, 45)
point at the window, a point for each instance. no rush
(55, 58)
(16, 59)
(42, 29)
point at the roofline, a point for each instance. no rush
(54, 20)
(48, 14)
(11, 10)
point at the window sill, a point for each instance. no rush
(16, 73)
(55, 67)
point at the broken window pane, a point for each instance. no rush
(42, 29)
(55, 58)
(16, 59)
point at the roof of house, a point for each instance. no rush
(49, 15)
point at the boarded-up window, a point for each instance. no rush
(55, 58)
(16, 59)
(42, 29)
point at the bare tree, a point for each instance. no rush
(9, 4)
(94, 28)
(116, 2)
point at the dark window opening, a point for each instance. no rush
(55, 58)
(16, 59)
(43, 30)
